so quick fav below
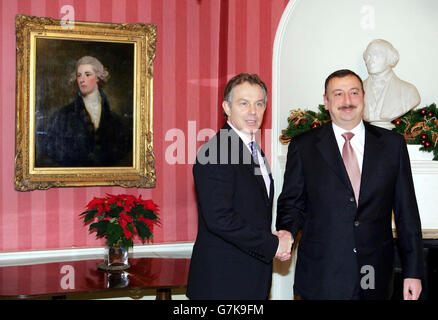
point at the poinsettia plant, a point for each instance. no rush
(119, 218)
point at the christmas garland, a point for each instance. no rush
(418, 126)
(301, 121)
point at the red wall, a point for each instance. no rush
(200, 45)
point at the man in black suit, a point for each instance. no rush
(234, 248)
(340, 190)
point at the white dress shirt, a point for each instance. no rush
(246, 140)
(93, 104)
(357, 142)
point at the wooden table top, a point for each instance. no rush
(60, 278)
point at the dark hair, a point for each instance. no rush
(341, 74)
(251, 78)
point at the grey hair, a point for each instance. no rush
(229, 97)
(98, 69)
(390, 51)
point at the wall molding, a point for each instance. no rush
(283, 276)
(166, 250)
(430, 234)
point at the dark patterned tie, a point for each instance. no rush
(253, 150)
(351, 164)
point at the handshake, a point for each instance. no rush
(285, 241)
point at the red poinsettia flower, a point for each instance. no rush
(124, 220)
(122, 210)
(98, 203)
(148, 204)
(150, 223)
(126, 201)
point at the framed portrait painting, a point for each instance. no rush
(83, 104)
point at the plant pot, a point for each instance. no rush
(119, 279)
(116, 259)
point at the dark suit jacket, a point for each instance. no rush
(233, 252)
(339, 238)
(71, 141)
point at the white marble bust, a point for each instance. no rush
(386, 96)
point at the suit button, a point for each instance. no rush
(352, 199)
(354, 250)
(356, 223)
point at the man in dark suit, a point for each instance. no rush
(342, 182)
(233, 252)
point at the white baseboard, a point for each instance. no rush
(165, 250)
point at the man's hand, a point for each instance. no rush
(285, 245)
(411, 289)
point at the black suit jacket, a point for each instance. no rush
(233, 252)
(341, 240)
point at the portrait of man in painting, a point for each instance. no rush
(83, 104)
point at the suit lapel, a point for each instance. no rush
(271, 185)
(256, 171)
(371, 155)
(329, 150)
(327, 146)
(246, 161)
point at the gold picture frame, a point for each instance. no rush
(47, 52)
